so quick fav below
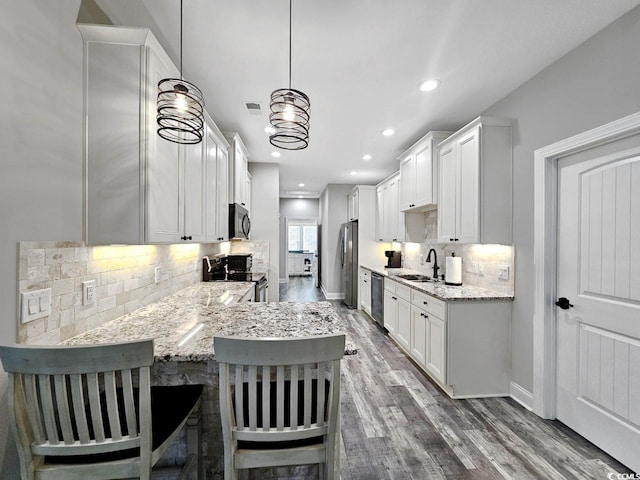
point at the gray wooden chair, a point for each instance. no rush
(279, 402)
(89, 412)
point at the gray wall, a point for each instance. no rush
(333, 213)
(40, 149)
(594, 84)
(265, 186)
(293, 208)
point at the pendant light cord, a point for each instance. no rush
(180, 39)
(289, 44)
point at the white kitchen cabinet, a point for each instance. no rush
(418, 335)
(390, 309)
(238, 171)
(390, 221)
(353, 204)
(216, 159)
(397, 305)
(365, 290)
(139, 188)
(475, 187)
(435, 359)
(419, 173)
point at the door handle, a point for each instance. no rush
(564, 303)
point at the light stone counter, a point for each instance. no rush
(183, 325)
(448, 293)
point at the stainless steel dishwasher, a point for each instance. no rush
(377, 298)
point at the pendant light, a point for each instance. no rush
(180, 107)
(289, 113)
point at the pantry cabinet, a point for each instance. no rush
(475, 185)
(139, 187)
(419, 173)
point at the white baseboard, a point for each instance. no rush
(521, 395)
(331, 296)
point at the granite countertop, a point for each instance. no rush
(439, 290)
(183, 325)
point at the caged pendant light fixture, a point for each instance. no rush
(289, 113)
(180, 116)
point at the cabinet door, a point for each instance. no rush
(240, 176)
(436, 347)
(404, 323)
(418, 336)
(408, 176)
(222, 201)
(165, 168)
(425, 194)
(380, 214)
(386, 233)
(365, 293)
(247, 193)
(448, 191)
(194, 192)
(390, 312)
(395, 234)
(468, 198)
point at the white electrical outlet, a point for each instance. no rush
(480, 268)
(88, 292)
(158, 274)
(475, 267)
(503, 272)
(35, 304)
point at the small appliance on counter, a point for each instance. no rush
(394, 259)
(453, 271)
(239, 262)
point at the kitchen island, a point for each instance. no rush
(183, 326)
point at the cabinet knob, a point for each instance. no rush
(394, 298)
(186, 238)
(451, 239)
(426, 303)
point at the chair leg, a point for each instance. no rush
(194, 441)
(243, 474)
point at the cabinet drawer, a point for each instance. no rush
(403, 291)
(428, 303)
(365, 273)
(390, 285)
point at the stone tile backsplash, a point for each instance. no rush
(480, 263)
(124, 276)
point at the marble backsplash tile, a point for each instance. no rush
(481, 264)
(124, 276)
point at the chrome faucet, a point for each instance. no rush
(435, 263)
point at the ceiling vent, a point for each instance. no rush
(254, 108)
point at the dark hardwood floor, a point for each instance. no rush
(398, 425)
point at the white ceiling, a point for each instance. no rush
(360, 62)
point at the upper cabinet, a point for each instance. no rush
(419, 173)
(353, 205)
(238, 171)
(475, 184)
(389, 220)
(139, 187)
(217, 181)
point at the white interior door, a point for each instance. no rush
(598, 264)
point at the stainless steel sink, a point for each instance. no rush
(415, 277)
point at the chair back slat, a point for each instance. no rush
(293, 395)
(239, 394)
(33, 406)
(62, 404)
(266, 397)
(280, 395)
(93, 390)
(129, 404)
(253, 397)
(48, 409)
(322, 375)
(307, 396)
(79, 412)
(112, 405)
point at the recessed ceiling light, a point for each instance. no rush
(429, 85)
(275, 154)
(270, 130)
(388, 132)
(301, 184)
(353, 172)
(300, 196)
(366, 157)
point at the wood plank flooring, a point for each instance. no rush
(398, 425)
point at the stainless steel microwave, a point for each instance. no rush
(239, 222)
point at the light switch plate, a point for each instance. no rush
(158, 275)
(503, 272)
(35, 304)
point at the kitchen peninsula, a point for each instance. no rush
(183, 326)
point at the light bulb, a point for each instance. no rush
(181, 102)
(289, 113)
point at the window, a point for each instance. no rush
(302, 237)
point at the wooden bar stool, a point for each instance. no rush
(89, 412)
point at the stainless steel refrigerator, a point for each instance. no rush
(349, 261)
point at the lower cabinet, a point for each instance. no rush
(462, 345)
(365, 290)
